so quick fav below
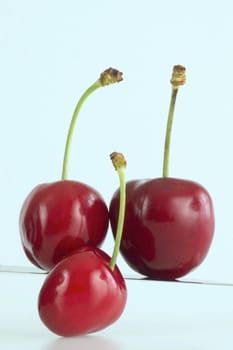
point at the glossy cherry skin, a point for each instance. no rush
(168, 227)
(81, 294)
(57, 218)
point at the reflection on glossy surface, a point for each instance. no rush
(21, 269)
(85, 343)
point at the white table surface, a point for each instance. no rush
(158, 315)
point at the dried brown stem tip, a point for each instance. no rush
(110, 76)
(118, 160)
(178, 76)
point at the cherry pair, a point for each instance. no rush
(62, 225)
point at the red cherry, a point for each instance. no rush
(168, 227)
(57, 218)
(82, 294)
(85, 292)
(169, 223)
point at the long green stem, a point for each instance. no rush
(119, 164)
(168, 132)
(178, 78)
(87, 93)
(109, 76)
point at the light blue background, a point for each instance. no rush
(51, 51)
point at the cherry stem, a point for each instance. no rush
(119, 163)
(109, 76)
(178, 78)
